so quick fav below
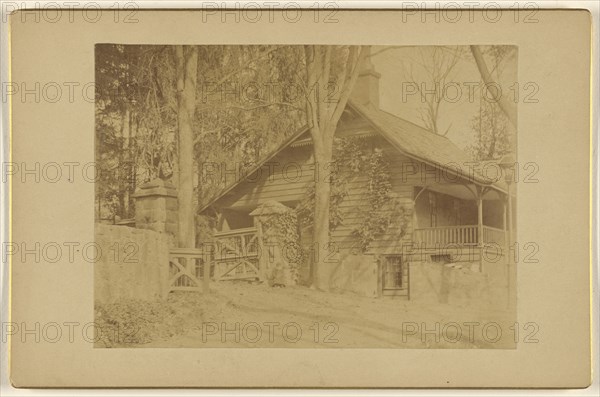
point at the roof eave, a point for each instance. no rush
(258, 165)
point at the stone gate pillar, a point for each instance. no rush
(275, 261)
(156, 207)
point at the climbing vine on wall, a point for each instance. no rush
(354, 157)
(285, 225)
(384, 209)
(348, 157)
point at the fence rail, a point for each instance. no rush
(188, 270)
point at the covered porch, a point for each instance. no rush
(460, 215)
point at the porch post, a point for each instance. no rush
(508, 165)
(480, 226)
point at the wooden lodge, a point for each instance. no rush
(455, 210)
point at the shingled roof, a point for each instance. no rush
(417, 142)
(408, 138)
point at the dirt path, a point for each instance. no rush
(245, 315)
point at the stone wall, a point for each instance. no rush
(357, 274)
(131, 263)
(459, 284)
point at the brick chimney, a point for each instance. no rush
(366, 90)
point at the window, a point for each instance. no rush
(393, 273)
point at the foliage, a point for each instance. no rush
(136, 114)
(285, 225)
(384, 208)
(352, 158)
(348, 158)
(492, 128)
(131, 322)
(245, 111)
(492, 132)
(134, 122)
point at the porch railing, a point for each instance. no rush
(462, 235)
(493, 235)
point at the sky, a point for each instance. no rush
(459, 106)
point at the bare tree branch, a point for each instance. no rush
(508, 107)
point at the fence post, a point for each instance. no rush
(156, 207)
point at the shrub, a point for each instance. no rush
(131, 322)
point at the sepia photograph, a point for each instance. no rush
(299, 199)
(306, 196)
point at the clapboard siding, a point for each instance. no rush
(356, 207)
(274, 183)
(291, 188)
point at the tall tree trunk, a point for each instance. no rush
(323, 150)
(322, 117)
(187, 63)
(126, 134)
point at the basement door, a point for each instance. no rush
(395, 276)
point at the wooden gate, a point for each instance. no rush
(189, 270)
(236, 255)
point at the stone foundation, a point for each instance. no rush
(458, 284)
(357, 274)
(434, 283)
